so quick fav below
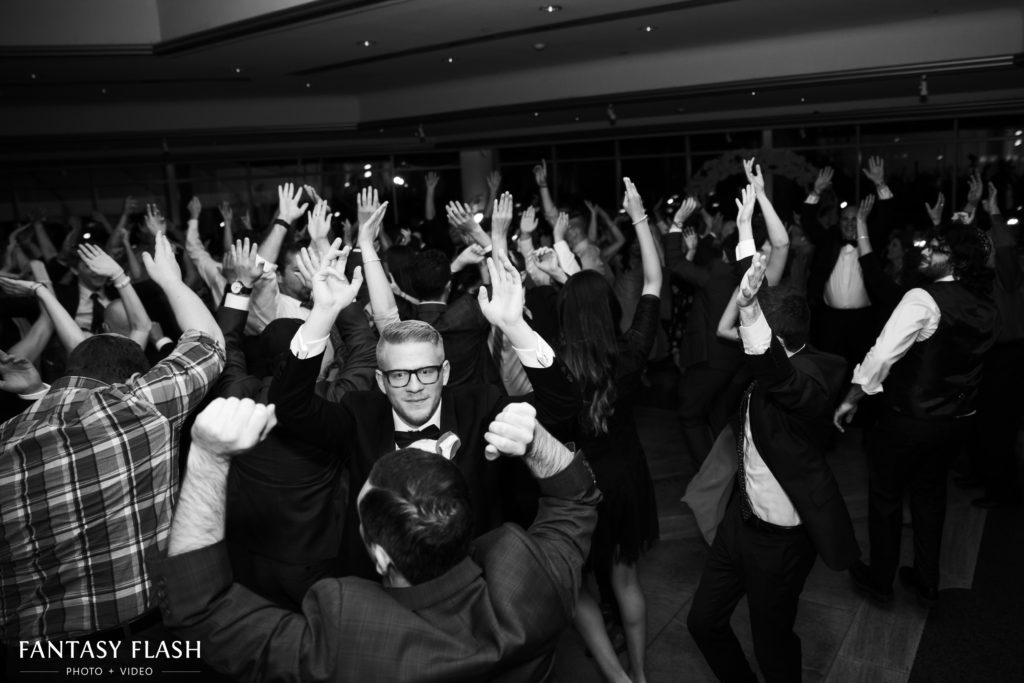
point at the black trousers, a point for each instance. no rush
(911, 456)
(770, 567)
(1000, 408)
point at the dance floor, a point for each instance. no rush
(844, 637)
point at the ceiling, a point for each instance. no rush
(457, 72)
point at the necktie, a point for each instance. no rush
(97, 314)
(404, 439)
(746, 512)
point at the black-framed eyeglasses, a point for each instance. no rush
(937, 247)
(400, 378)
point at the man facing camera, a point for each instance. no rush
(448, 609)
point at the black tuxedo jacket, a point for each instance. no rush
(360, 428)
(790, 418)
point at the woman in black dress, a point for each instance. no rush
(596, 376)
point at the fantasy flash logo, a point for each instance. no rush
(103, 649)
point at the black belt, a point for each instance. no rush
(128, 629)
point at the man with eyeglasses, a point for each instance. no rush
(928, 359)
(414, 407)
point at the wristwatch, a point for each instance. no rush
(239, 289)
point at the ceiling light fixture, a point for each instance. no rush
(551, 9)
(367, 167)
(366, 43)
(368, 174)
(238, 69)
(451, 60)
(648, 28)
(309, 85)
(32, 76)
(537, 113)
(398, 180)
(536, 46)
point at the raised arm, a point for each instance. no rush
(460, 216)
(67, 330)
(540, 174)
(49, 252)
(189, 310)
(227, 216)
(634, 206)
(430, 207)
(527, 226)
(618, 240)
(382, 298)
(493, 186)
(501, 219)
(778, 237)
(288, 211)
(102, 264)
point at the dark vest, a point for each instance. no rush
(939, 377)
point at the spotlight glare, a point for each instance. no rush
(843, 205)
(399, 180)
(368, 174)
(478, 217)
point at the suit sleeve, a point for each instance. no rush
(300, 411)
(676, 262)
(360, 361)
(242, 634)
(235, 381)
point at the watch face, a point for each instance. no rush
(236, 287)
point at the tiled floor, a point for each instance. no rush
(844, 638)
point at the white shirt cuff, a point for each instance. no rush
(34, 395)
(884, 192)
(239, 303)
(162, 342)
(865, 382)
(566, 258)
(542, 356)
(812, 199)
(674, 229)
(303, 349)
(744, 249)
(756, 337)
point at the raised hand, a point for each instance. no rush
(162, 267)
(227, 214)
(754, 177)
(494, 182)
(751, 282)
(528, 221)
(370, 228)
(511, 432)
(992, 203)
(195, 207)
(99, 261)
(318, 222)
(129, 206)
(501, 216)
(974, 189)
(824, 179)
(16, 287)
(690, 239)
(561, 226)
(745, 206)
(864, 210)
(935, 211)
(875, 171)
(504, 307)
(685, 210)
(329, 286)
(547, 261)
(460, 216)
(241, 263)
(311, 191)
(155, 222)
(431, 180)
(632, 202)
(288, 208)
(470, 256)
(230, 426)
(540, 173)
(366, 203)
(18, 375)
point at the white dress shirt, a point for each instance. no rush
(767, 498)
(915, 319)
(83, 314)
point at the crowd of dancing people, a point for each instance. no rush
(331, 447)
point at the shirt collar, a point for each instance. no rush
(402, 426)
(946, 278)
(85, 293)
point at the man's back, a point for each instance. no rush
(87, 482)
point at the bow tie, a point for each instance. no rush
(405, 439)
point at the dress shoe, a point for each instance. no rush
(987, 503)
(860, 573)
(911, 578)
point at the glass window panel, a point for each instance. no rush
(815, 136)
(674, 144)
(991, 126)
(904, 132)
(586, 150)
(725, 141)
(527, 154)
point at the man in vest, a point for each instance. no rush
(927, 364)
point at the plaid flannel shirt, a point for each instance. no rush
(88, 480)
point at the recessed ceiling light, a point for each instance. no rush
(367, 167)
(309, 85)
(366, 43)
(753, 92)
(536, 113)
(802, 99)
(1018, 132)
(648, 28)
(577, 118)
(103, 91)
(551, 9)
(451, 60)
(368, 174)
(32, 76)
(238, 69)
(536, 46)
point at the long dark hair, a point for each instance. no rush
(588, 317)
(969, 249)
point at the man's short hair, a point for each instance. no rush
(108, 358)
(786, 310)
(418, 510)
(405, 331)
(431, 273)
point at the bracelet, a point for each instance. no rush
(123, 283)
(283, 223)
(371, 260)
(640, 220)
(863, 237)
(542, 184)
(675, 224)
